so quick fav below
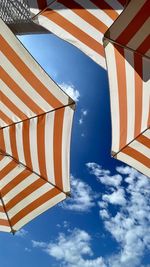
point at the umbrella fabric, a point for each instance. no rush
(128, 59)
(35, 130)
(81, 23)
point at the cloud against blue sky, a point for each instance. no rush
(128, 224)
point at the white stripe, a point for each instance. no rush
(19, 142)
(3, 216)
(25, 86)
(50, 203)
(146, 94)
(61, 33)
(11, 175)
(126, 17)
(20, 187)
(148, 53)
(115, 5)
(12, 116)
(5, 228)
(76, 20)
(134, 163)
(66, 138)
(32, 64)
(2, 123)
(130, 85)
(29, 199)
(7, 140)
(147, 133)
(33, 145)
(4, 162)
(114, 99)
(16, 101)
(96, 12)
(140, 148)
(140, 36)
(49, 139)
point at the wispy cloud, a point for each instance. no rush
(71, 91)
(21, 233)
(71, 249)
(130, 226)
(82, 197)
(84, 113)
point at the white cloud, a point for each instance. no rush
(117, 197)
(21, 233)
(104, 176)
(71, 91)
(130, 226)
(38, 244)
(84, 113)
(27, 249)
(82, 197)
(71, 250)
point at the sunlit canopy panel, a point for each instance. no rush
(35, 131)
(81, 23)
(128, 64)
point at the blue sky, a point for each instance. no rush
(106, 222)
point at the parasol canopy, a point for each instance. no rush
(127, 47)
(81, 23)
(35, 130)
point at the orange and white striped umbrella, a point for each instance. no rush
(127, 47)
(35, 130)
(81, 23)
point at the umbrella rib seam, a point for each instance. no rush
(116, 153)
(9, 220)
(123, 46)
(20, 163)
(40, 115)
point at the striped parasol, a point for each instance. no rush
(127, 47)
(81, 23)
(35, 130)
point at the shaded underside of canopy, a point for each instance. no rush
(128, 59)
(35, 131)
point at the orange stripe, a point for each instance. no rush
(2, 142)
(26, 72)
(4, 222)
(13, 107)
(17, 180)
(106, 8)
(20, 93)
(25, 193)
(26, 143)
(34, 205)
(145, 46)
(12, 134)
(42, 4)
(6, 119)
(137, 156)
(1, 157)
(41, 145)
(10, 166)
(121, 78)
(58, 127)
(144, 140)
(84, 14)
(2, 209)
(138, 66)
(135, 24)
(74, 30)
